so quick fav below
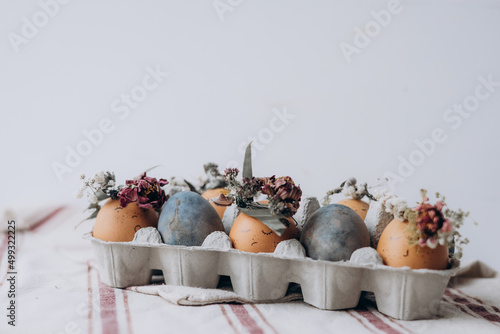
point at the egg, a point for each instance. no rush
(359, 206)
(211, 193)
(394, 249)
(249, 234)
(333, 233)
(187, 219)
(115, 223)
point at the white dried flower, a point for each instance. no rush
(99, 177)
(82, 176)
(349, 191)
(111, 183)
(81, 190)
(350, 182)
(396, 206)
(432, 243)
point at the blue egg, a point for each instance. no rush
(187, 218)
(333, 233)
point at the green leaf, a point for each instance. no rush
(94, 206)
(191, 187)
(93, 215)
(247, 162)
(101, 195)
(262, 213)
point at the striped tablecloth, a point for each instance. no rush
(58, 290)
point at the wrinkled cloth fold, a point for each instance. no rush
(189, 296)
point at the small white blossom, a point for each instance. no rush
(99, 177)
(432, 243)
(354, 190)
(396, 206)
(349, 191)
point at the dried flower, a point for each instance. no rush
(349, 188)
(433, 225)
(100, 187)
(127, 195)
(242, 192)
(282, 193)
(146, 191)
(213, 178)
(99, 178)
(428, 225)
(231, 173)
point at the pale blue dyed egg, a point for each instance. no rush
(333, 233)
(187, 218)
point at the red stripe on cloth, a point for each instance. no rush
(127, 311)
(228, 319)
(461, 307)
(373, 308)
(353, 314)
(375, 321)
(476, 308)
(246, 319)
(45, 219)
(108, 309)
(496, 309)
(263, 318)
(89, 292)
(396, 323)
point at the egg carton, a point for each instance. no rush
(401, 293)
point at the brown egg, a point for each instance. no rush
(211, 193)
(394, 249)
(251, 235)
(361, 207)
(114, 223)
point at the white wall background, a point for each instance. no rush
(226, 78)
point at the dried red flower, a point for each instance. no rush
(145, 191)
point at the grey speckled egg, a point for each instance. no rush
(333, 233)
(187, 218)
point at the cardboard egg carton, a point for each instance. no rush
(401, 293)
